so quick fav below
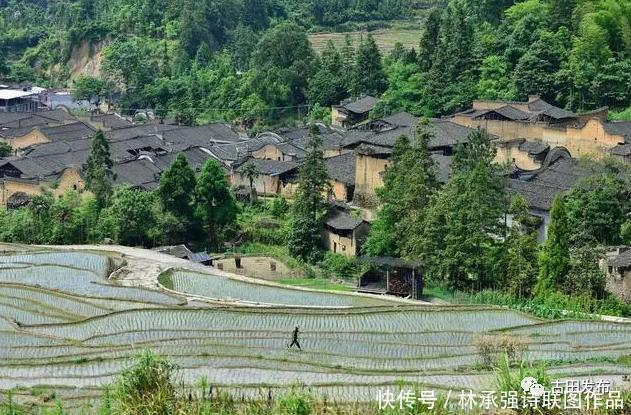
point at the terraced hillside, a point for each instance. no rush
(65, 325)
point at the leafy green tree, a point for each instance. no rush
(495, 79)
(214, 203)
(536, 69)
(328, 86)
(243, 41)
(131, 63)
(310, 204)
(98, 172)
(128, 219)
(251, 173)
(451, 85)
(521, 251)
(429, 40)
(554, 257)
(176, 189)
(5, 149)
(89, 88)
(596, 210)
(406, 90)
(587, 278)
(284, 61)
(468, 217)
(368, 75)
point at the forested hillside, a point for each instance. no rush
(250, 60)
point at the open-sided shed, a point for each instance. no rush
(390, 275)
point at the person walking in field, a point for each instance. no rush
(294, 339)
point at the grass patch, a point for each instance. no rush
(317, 284)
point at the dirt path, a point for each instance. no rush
(142, 267)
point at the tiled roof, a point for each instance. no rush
(342, 168)
(621, 150)
(540, 187)
(270, 167)
(534, 147)
(68, 132)
(622, 128)
(622, 260)
(360, 106)
(342, 221)
(111, 121)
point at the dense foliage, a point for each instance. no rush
(201, 60)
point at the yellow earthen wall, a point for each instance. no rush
(28, 139)
(270, 152)
(510, 153)
(70, 179)
(368, 174)
(9, 187)
(345, 246)
(339, 190)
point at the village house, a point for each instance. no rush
(352, 111)
(617, 266)
(272, 177)
(373, 143)
(22, 98)
(528, 129)
(344, 233)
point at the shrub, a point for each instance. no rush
(293, 403)
(489, 345)
(339, 266)
(147, 388)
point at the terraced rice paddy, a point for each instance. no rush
(66, 326)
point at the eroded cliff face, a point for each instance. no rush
(85, 59)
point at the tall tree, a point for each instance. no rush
(554, 258)
(429, 40)
(468, 216)
(451, 84)
(98, 170)
(328, 85)
(368, 74)
(129, 218)
(214, 204)
(284, 61)
(176, 189)
(251, 172)
(521, 251)
(310, 204)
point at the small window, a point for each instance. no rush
(74, 187)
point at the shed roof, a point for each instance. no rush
(342, 221)
(389, 262)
